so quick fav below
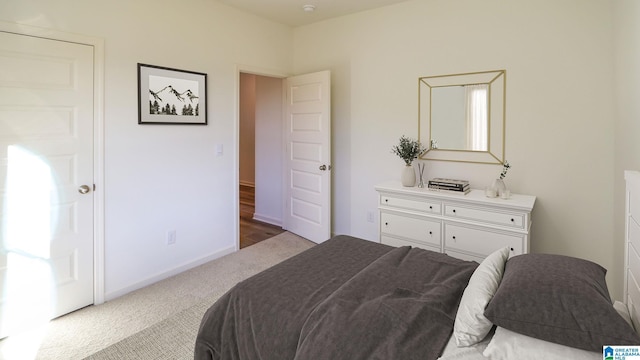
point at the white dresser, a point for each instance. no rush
(469, 226)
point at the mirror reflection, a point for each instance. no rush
(462, 116)
(459, 117)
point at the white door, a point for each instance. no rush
(308, 153)
(46, 159)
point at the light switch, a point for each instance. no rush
(219, 150)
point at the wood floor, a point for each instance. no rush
(252, 231)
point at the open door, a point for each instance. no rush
(307, 180)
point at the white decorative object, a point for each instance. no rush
(421, 174)
(408, 176)
(469, 226)
(408, 150)
(498, 187)
(506, 194)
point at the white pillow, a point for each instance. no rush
(509, 345)
(623, 311)
(471, 326)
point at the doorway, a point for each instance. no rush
(260, 158)
(292, 164)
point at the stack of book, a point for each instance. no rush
(452, 185)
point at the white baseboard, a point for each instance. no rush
(166, 274)
(267, 219)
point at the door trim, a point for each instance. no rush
(98, 137)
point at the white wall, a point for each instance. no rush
(560, 112)
(626, 19)
(559, 135)
(269, 150)
(261, 148)
(160, 178)
(247, 131)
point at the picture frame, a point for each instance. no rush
(171, 96)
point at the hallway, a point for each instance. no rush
(252, 231)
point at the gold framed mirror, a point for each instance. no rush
(462, 116)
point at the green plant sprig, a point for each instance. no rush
(505, 167)
(408, 149)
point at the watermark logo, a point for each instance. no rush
(621, 352)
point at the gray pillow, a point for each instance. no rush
(559, 299)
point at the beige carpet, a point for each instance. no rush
(157, 322)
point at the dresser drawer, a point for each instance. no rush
(480, 242)
(412, 228)
(416, 204)
(469, 226)
(464, 256)
(487, 216)
(388, 240)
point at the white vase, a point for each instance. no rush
(408, 177)
(499, 187)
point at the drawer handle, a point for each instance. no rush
(430, 232)
(511, 249)
(386, 200)
(454, 211)
(513, 220)
(454, 237)
(430, 207)
(386, 224)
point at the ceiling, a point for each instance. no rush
(291, 12)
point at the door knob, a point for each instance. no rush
(83, 189)
(323, 167)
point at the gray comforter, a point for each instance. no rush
(343, 299)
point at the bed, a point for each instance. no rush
(349, 298)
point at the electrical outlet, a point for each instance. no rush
(370, 216)
(171, 237)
